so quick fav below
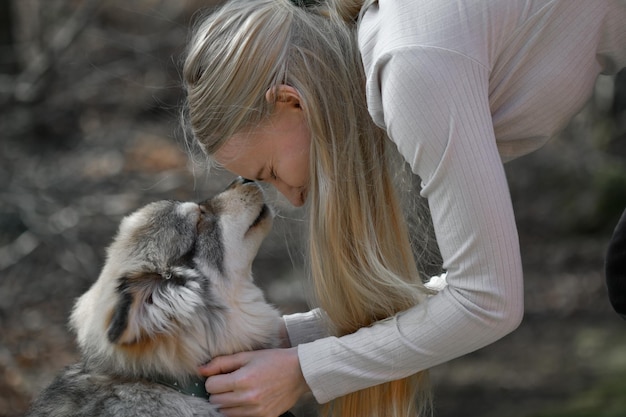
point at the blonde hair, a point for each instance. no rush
(360, 254)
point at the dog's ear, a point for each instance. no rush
(150, 304)
(128, 322)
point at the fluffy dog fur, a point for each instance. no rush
(176, 290)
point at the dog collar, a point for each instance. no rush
(193, 387)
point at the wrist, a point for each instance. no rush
(301, 386)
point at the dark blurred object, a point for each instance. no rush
(618, 111)
(615, 268)
(619, 99)
(8, 64)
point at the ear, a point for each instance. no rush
(126, 318)
(285, 94)
(149, 304)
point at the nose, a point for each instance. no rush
(293, 194)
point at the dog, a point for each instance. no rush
(175, 291)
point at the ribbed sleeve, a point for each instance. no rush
(306, 327)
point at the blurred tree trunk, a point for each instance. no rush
(618, 111)
(8, 60)
(619, 99)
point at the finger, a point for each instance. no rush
(226, 400)
(218, 384)
(238, 412)
(222, 365)
(246, 411)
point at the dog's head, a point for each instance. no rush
(177, 288)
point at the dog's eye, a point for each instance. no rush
(177, 279)
(180, 275)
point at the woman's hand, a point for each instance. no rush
(262, 383)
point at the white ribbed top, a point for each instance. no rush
(460, 86)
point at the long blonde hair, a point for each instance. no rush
(360, 254)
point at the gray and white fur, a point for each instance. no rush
(175, 291)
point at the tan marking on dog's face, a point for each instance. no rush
(145, 346)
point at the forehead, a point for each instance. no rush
(244, 155)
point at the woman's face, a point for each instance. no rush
(275, 152)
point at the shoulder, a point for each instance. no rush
(470, 28)
(417, 44)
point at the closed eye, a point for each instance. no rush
(260, 176)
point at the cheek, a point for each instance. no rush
(297, 174)
(301, 152)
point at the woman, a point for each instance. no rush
(307, 99)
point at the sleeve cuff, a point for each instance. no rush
(306, 327)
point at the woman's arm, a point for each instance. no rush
(435, 107)
(306, 327)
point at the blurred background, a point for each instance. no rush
(90, 101)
